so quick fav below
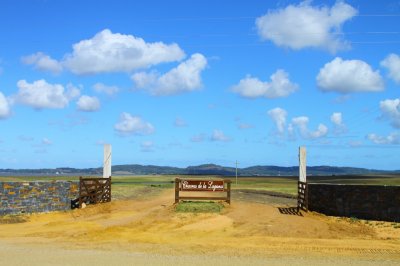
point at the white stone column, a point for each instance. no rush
(107, 161)
(302, 165)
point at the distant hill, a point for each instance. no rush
(204, 169)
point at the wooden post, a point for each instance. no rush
(177, 180)
(229, 192)
(306, 196)
(110, 188)
(302, 196)
(80, 191)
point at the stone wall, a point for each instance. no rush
(37, 196)
(359, 201)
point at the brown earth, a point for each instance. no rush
(256, 229)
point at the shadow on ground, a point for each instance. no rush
(290, 211)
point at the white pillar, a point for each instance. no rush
(302, 165)
(107, 161)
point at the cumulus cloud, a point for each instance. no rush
(279, 86)
(337, 120)
(302, 26)
(198, 138)
(346, 76)
(109, 90)
(46, 142)
(244, 126)
(5, 109)
(278, 115)
(114, 52)
(179, 122)
(391, 110)
(183, 78)
(43, 62)
(291, 132)
(41, 94)
(25, 138)
(147, 146)
(301, 123)
(72, 91)
(218, 135)
(133, 125)
(88, 104)
(355, 143)
(392, 63)
(392, 138)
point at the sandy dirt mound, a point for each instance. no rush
(250, 229)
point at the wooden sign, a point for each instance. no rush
(202, 185)
(205, 186)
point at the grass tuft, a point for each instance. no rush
(199, 207)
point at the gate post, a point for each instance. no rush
(302, 196)
(302, 165)
(110, 189)
(302, 187)
(80, 192)
(229, 192)
(177, 181)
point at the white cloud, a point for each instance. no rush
(346, 76)
(355, 143)
(43, 62)
(302, 26)
(88, 104)
(278, 115)
(291, 132)
(25, 138)
(114, 52)
(392, 138)
(301, 123)
(279, 86)
(5, 110)
(147, 146)
(183, 78)
(41, 94)
(391, 110)
(101, 142)
(337, 120)
(244, 126)
(109, 90)
(129, 124)
(392, 63)
(218, 135)
(72, 91)
(198, 138)
(179, 122)
(46, 142)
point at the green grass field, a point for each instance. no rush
(126, 186)
(199, 207)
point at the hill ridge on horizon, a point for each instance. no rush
(202, 169)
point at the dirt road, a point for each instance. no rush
(252, 231)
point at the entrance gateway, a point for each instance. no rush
(204, 187)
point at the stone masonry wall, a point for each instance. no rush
(359, 201)
(37, 196)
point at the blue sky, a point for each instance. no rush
(190, 82)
